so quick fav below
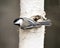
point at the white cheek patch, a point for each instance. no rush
(19, 22)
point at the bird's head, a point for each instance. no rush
(18, 21)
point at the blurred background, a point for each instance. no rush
(9, 10)
(52, 39)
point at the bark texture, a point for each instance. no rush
(31, 38)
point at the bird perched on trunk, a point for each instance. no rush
(27, 23)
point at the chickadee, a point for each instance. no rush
(26, 23)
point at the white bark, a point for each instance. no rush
(31, 38)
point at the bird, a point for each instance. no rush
(24, 23)
(27, 23)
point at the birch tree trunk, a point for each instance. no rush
(31, 38)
